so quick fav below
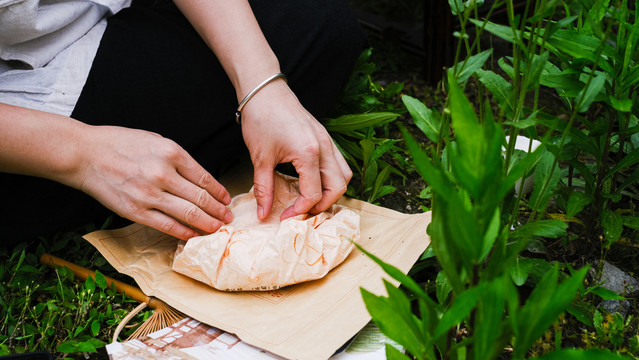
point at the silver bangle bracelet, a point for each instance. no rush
(238, 113)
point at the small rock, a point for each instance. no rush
(616, 280)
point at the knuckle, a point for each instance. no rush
(348, 175)
(314, 197)
(191, 214)
(312, 149)
(202, 199)
(206, 179)
(341, 190)
(167, 226)
(171, 150)
(157, 175)
(260, 190)
(325, 142)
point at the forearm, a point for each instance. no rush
(40, 144)
(230, 29)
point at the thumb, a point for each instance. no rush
(263, 189)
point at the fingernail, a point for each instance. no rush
(260, 212)
(228, 217)
(227, 199)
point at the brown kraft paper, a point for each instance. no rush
(306, 321)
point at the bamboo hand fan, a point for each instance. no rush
(163, 316)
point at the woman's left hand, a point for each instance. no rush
(277, 129)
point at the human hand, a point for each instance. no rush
(151, 180)
(277, 129)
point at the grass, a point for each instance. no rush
(46, 309)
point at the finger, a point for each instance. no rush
(263, 189)
(168, 225)
(188, 213)
(310, 185)
(343, 165)
(334, 184)
(201, 198)
(193, 172)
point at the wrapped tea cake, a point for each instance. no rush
(249, 254)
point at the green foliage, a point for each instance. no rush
(360, 131)
(590, 59)
(586, 167)
(471, 238)
(45, 309)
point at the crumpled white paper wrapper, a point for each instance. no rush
(248, 254)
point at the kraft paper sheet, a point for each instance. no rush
(306, 321)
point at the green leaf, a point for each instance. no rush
(534, 74)
(398, 275)
(489, 321)
(581, 46)
(606, 294)
(582, 311)
(491, 234)
(520, 270)
(68, 346)
(631, 222)
(546, 228)
(469, 159)
(612, 224)
(346, 123)
(78, 331)
(393, 354)
(501, 89)
(95, 327)
(86, 347)
(579, 354)
(89, 284)
(502, 31)
(462, 306)
(587, 96)
(623, 105)
(395, 320)
(370, 176)
(442, 287)
(423, 117)
(546, 302)
(380, 150)
(470, 66)
(547, 176)
(100, 280)
(367, 146)
(576, 202)
(627, 161)
(381, 192)
(456, 6)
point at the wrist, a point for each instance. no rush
(247, 98)
(246, 80)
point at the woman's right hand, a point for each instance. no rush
(138, 174)
(151, 180)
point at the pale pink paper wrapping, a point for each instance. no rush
(249, 254)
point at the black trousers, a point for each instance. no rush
(153, 72)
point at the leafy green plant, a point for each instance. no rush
(45, 309)
(476, 250)
(478, 229)
(589, 57)
(362, 134)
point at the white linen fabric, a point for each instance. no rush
(47, 48)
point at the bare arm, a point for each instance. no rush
(275, 126)
(138, 174)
